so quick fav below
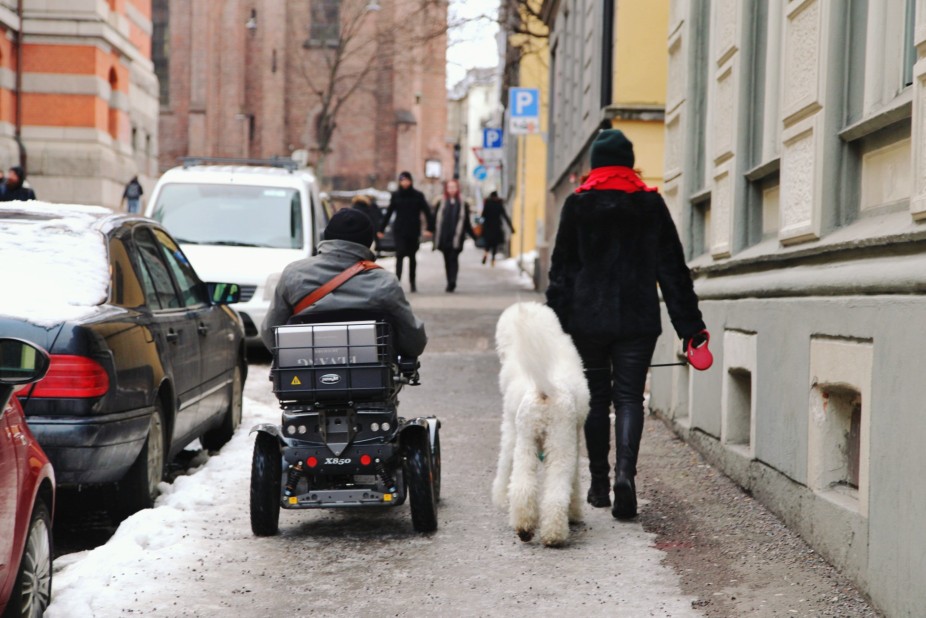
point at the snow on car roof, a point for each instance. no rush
(55, 264)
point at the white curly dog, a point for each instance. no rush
(545, 405)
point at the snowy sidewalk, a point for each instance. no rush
(194, 554)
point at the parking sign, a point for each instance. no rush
(492, 138)
(524, 110)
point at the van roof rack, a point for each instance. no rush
(283, 162)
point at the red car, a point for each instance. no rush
(27, 490)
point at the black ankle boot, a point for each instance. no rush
(625, 498)
(599, 494)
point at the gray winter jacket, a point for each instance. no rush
(375, 290)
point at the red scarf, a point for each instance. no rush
(614, 178)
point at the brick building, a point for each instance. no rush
(87, 94)
(251, 83)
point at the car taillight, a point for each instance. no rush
(71, 377)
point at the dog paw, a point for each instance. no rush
(554, 540)
(575, 516)
(525, 535)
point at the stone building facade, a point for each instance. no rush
(86, 93)
(795, 168)
(245, 79)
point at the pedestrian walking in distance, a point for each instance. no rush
(132, 196)
(367, 206)
(616, 241)
(452, 227)
(493, 212)
(14, 187)
(408, 205)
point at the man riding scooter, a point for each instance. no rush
(343, 277)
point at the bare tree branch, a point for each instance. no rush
(349, 63)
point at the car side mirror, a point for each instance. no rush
(224, 293)
(21, 362)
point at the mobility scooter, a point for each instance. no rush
(341, 442)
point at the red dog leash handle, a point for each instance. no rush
(700, 356)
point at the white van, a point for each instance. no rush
(241, 223)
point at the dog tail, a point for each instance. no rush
(536, 335)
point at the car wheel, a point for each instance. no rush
(266, 471)
(139, 488)
(421, 483)
(214, 439)
(32, 589)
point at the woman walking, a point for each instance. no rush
(452, 226)
(616, 242)
(409, 205)
(493, 211)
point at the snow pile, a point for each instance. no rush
(179, 526)
(524, 280)
(55, 264)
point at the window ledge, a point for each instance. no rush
(642, 112)
(764, 170)
(701, 196)
(897, 110)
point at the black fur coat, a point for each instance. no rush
(612, 249)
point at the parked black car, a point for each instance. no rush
(156, 361)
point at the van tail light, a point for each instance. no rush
(71, 377)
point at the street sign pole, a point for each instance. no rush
(524, 119)
(522, 150)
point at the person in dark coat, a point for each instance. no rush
(452, 226)
(409, 205)
(15, 191)
(132, 195)
(616, 242)
(493, 212)
(367, 206)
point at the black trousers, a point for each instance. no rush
(451, 266)
(406, 248)
(616, 373)
(493, 249)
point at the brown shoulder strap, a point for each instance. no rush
(336, 281)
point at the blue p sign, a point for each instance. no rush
(492, 138)
(524, 102)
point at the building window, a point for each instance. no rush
(878, 72)
(700, 47)
(160, 46)
(762, 155)
(701, 237)
(909, 47)
(113, 124)
(325, 27)
(607, 53)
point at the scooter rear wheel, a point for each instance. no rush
(435, 459)
(421, 484)
(266, 470)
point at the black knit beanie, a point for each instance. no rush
(407, 175)
(612, 147)
(350, 224)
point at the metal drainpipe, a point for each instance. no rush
(19, 87)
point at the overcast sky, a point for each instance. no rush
(472, 43)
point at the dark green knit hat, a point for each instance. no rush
(612, 147)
